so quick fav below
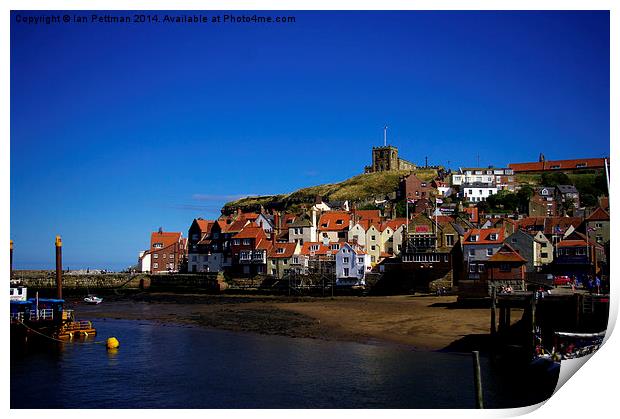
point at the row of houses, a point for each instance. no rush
(437, 250)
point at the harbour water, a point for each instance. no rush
(173, 366)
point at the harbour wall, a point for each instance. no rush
(116, 281)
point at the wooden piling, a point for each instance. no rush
(58, 267)
(477, 380)
(493, 309)
(11, 261)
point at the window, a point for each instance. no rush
(285, 261)
(580, 165)
(513, 240)
(195, 237)
(342, 235)
(473, 238)
(245, 255)
(155, 255)
(280, 250)
(372, 259)
(470, 192)
(581, 252)
(246, 242)
(490, 251)
(493, 236)
(324, 225)
(194, 258)
(544, 255)
(373, 238)
(334, 246)
(324, 234)
(504, 267)
(345, 260)
(164, 256)
(273, 272)
(155, 265)
(472, 252)
(598, 225)
(373, 247)
(449, 239)
(481, 268)
(472, 268)
(296, 260)
(360, 271)
(599, 239)
(339, 222)
(346, 271)
(314, 247)
(360, 260)
(399, 247)
(236, 242)
(555, 167)
(158, 245)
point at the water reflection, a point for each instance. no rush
(185, 367)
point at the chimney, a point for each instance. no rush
(59, 267)
(276, 224)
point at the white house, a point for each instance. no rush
(302, 230)
(357, 233)
(266, 222)
(477, 192)
(352, 264)
(373, 243)
(144, 261)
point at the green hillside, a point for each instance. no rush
(359, 188)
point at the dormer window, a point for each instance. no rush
(335, 246)
(314, 247)
(339, 222)
(493, 236)
(324, 225)
(473, 238)
(555, 166)
(158, 245)
(280, 250)
(581, 165)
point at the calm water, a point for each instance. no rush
(169, 366)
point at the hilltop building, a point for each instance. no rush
(386, 158)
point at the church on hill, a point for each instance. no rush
(386, 158)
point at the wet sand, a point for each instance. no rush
(420, 322)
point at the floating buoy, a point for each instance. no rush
(112, 343)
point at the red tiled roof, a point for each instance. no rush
(549, 224)
(484, 235)
(563, 164)
(236, 226)
(507, 254)
(264, 244)
(329, 221)
(250, 232)
(394, 224)
(598, 215)
(165, 238)
(287, 249)
(473, 214)
(322, 249)
(572, 243)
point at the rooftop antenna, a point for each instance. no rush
(385, 135)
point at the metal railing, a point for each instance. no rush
(44, 314)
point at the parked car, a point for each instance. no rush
(561, 280)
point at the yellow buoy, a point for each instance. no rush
(112, 343)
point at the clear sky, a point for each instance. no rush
(119, 129)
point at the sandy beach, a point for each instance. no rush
(425, 323)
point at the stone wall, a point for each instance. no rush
(47, 279)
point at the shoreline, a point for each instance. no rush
(421, 323)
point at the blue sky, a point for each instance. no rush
(118, 129)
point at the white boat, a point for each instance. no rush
(91, 299)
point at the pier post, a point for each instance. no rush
(533, 325)
(477, 380)
(493, 310)
(58, 267)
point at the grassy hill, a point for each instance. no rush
(359, 188)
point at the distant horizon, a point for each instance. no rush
(119, 129)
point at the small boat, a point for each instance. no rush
(91, 299)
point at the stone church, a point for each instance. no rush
(386, 158)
